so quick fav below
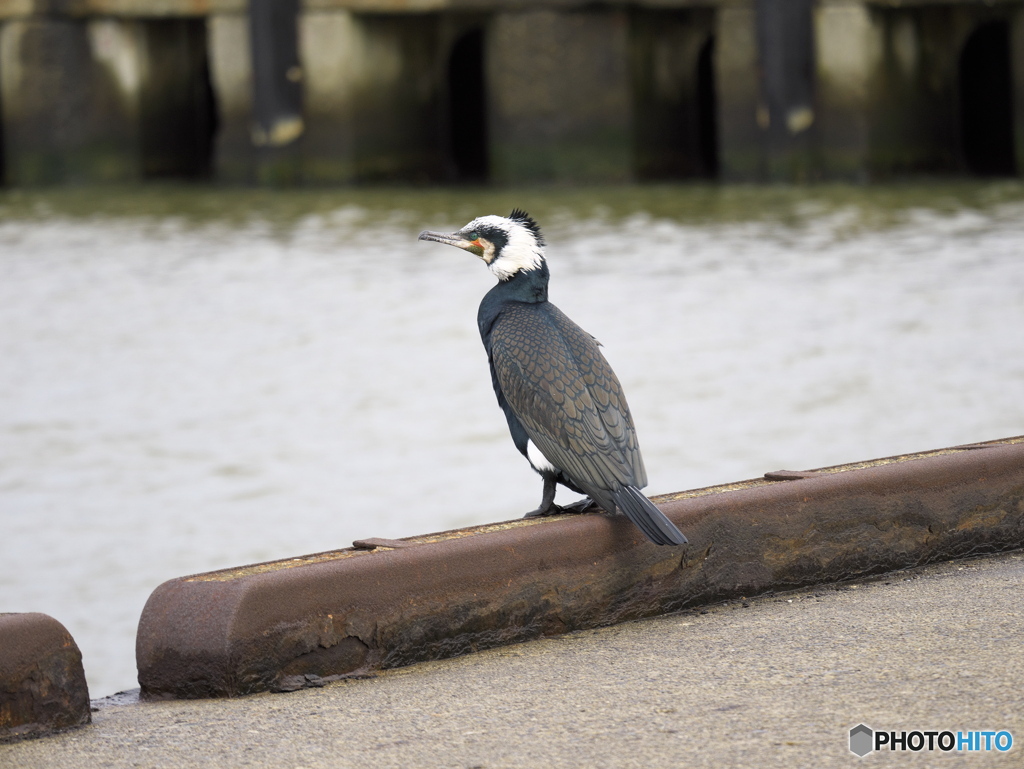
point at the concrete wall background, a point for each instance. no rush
(671, 111)
(560, 103)
(121, 90)
(69, 93)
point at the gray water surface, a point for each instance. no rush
(196, 379)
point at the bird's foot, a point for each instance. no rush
(582, 506)
(542, 511)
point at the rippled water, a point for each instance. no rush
(195, 379)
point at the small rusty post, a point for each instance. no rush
(42, 682)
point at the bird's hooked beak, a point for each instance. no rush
(454, 239)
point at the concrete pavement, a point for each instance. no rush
(771, 681)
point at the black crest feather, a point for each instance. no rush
(519, 215)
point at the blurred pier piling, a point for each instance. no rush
(508, 91)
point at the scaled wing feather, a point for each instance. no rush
(566, 396)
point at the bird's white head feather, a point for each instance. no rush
(523, 248)
(508, 245)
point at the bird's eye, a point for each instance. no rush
(474, 235)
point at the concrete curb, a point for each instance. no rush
(294, 623)
(42, 683)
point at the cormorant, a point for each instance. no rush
(564, 405)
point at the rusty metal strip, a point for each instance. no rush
(791, 475)
(292, 623)
(374, 542)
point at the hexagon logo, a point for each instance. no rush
(861, 740)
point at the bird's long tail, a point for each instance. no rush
(648, 518)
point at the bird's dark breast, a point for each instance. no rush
(566, 396)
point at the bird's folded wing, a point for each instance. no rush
(566, 397)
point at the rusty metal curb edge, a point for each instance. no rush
(293, 623)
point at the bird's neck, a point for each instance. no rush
(528, 286)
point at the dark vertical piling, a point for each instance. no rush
(277, 89)
(786, 113)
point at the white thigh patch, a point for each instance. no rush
(538, 460)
